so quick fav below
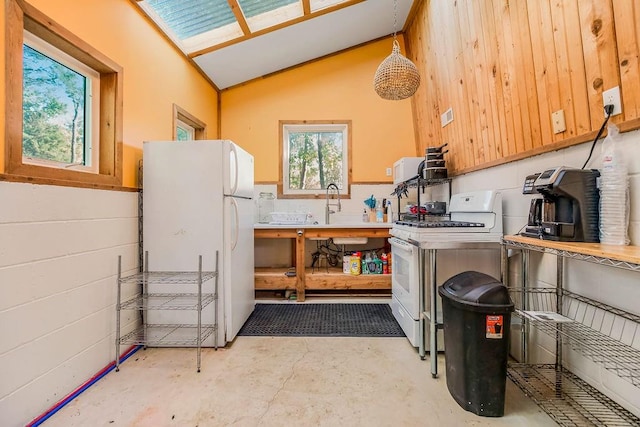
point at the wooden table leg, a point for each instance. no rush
(300, 271)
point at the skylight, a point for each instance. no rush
(201, 26)
(189, 18)
(261, 14)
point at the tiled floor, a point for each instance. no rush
(281, 381)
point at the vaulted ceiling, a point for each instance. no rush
(233, 41)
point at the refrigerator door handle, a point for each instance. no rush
(235, 230)
(233, 164)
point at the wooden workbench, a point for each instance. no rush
(305, 279)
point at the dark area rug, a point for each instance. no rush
(322, 320)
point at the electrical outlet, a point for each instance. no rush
(557, 118)
(388, 171)
(612, 97)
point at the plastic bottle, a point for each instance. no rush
(385, 263)
(354, 264)
(389, 262)
(389, 212)
(364, 269)
(365, 216)
(346, 261)
(377, 262)
(614, 192)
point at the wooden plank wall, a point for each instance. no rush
(504, 66)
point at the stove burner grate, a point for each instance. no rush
(440, 224)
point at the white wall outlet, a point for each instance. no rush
(612, 96)
(388, 171)
(557, 118)
(446, 117)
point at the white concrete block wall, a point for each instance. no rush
(616, 287)
(58, 264)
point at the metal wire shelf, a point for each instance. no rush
(566, 398)
(424, 182)
(158, 301)
(168, 277)
(188, 335)
(168, 335)
(603, 260)
(604, 334)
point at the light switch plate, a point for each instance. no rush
(388, 171)
(557, 118)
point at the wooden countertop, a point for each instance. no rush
(337, 226)
(314, 231)
(630, 254)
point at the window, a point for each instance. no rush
(57, 106)
(187, 127)
(184, 132)
(314, 155)
(63, 105)
(200, 26)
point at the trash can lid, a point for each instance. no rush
(475, 290)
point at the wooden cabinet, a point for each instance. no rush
(324, 279)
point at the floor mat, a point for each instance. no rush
(318, 320)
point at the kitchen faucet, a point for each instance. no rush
(328, 210)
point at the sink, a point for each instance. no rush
(350, 240)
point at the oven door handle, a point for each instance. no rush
(401, 244)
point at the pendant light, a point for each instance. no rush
(396, 77)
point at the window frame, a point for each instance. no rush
(92, 103)
(21, 17)
(188, 129)
(345, 192)
(180, 115)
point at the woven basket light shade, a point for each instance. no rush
(397, 77)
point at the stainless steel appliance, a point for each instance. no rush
(427, 251)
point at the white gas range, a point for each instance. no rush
(475, 223)
(475, 217)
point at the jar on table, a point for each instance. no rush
(265, 207)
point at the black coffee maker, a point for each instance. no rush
(568, 210)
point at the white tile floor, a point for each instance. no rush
(282, 381)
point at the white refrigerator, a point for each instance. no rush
(198, 199)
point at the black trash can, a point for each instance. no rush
(476, 310)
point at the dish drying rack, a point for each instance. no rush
(288, 218)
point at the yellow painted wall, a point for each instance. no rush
(337, 87)
(155, 74)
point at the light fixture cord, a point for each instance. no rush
(395, 18)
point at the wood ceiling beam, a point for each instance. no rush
(306, 7)
(275, 27)
(237, 12)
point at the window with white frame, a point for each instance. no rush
(184, 132)
(314, 155)
(60, 104)
(187, 127)
(63, 105)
